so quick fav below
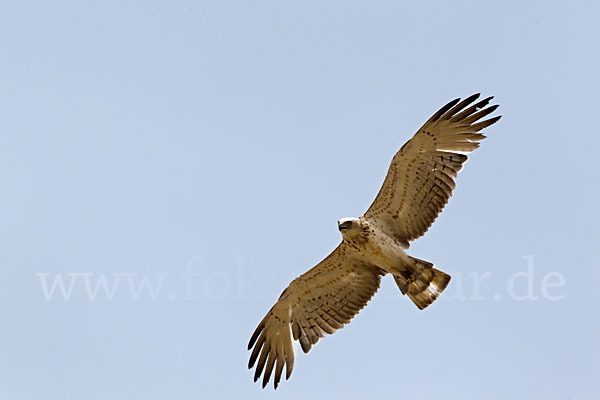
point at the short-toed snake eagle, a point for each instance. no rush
(418, 185)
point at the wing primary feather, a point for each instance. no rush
(475, 107)
(480, 114)
(461, 105)
(261, 361)
(289, 357)
(280, 363)
(443, 110)
(256, 351)
(269, 367)
(484, 124)
(257, 332)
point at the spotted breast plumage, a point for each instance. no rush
(418, 185)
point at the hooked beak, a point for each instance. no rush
(344, 225)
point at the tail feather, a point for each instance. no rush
(422, 283)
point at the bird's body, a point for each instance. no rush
(417, 187)
(368, 243)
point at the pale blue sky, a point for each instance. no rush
(141, 137)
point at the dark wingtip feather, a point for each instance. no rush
(494, 107)
(474, 108)
(491, 121)
(460, 106)
(268, 370)
(484, 102)
(471, 98)
(278, 371)
(255, 335)
(253, 358)
(266, 379)
(443, 110)
(261, 364)
(480, 114)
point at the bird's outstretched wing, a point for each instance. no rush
(421, 176)
(316, 303)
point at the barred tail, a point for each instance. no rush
(422, 283)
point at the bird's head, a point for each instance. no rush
(349, 226)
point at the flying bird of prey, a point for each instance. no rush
(418, 185)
